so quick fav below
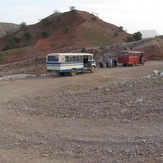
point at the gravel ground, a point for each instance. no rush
(111, 116)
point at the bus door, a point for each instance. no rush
(85, 61)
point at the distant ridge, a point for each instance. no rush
(149, 33)
(8, 28)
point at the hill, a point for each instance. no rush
(6, 28)
(72, 31)
(64, 32)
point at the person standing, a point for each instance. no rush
(111, 62)
(107, 62)
(115, 61)
(100, 61)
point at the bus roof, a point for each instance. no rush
(130, 51)
(60, 54)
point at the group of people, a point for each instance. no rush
(110, 62)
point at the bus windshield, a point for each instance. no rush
(123, 55)
(53, 58)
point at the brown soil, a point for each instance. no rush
(112, 115)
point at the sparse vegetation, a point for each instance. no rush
(44, 34)
(23, 25)
(130, 39)
(27, 36)
(1, 56)
(45, 22)
(72, 8)
(66, 30)
(13, 42)
(121, 28)
(137, 36)
(6, 47)
(96, 38)
(116, 34)
(95, 16)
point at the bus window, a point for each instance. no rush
(89, 58)
(125, 55)
(81, 58)
(62, 58)
(53, 58)
(66, 59)
(74, 58)
(78, 58)
(70, 59)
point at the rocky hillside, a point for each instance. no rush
(8, 28)
(72, 31)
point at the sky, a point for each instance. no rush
(132, 15)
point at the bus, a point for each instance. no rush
(70, 63)
(131, 58)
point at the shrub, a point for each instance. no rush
(130, 39)
(94, 16)
(66, 30)
(27, 36)
(23, 25)
(116, 34)
(6, 47)
(120, 28)
(137, 36)
(44, 34)
(72, 8)
(45, 22)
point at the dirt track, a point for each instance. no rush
(112, 115)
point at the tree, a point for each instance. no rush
(137, 36)
(120, 28)
(23, 25)
(72, 8)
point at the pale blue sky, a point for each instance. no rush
(133, 15)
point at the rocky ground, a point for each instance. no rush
(112, 115)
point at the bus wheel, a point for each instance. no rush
(133, 64)
(92, 69)
(124, 64)
(73, 72)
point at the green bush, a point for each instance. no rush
(23, 25)
(45, 22)
(66, 30)
(27, 36)
(120, 28)
(44, 34)
(6, 47)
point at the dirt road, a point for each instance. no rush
(112, 115)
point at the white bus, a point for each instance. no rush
(70, 63)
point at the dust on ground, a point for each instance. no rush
(112, 115)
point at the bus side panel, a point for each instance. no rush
(123, 59)
(133, 60)
(67, 67)
(64, 67)
(52, 66)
